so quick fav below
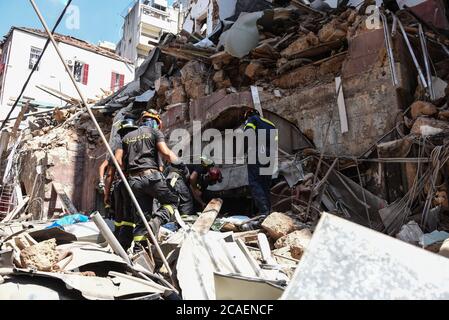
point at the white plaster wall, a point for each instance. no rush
(133, 30)
(52, 73)
(227, 8)
(409, 3)
(199, 9)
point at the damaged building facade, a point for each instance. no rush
(362, 110)
(143, 26)
(94, 67)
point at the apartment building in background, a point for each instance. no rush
(96, 69)
(143, 26)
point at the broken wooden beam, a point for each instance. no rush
(207, 218)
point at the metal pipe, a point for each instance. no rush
(109, 236)
(415, 60)
(445, 49)
(394, 28)
(103, 138)
(425, 52)
(388, 46)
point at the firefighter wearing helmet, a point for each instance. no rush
(138, 154)
(201, 177)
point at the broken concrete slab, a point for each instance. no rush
(377, 267)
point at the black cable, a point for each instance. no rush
(35, 66)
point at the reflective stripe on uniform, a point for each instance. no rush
(250, 125)
(268, 121)
(125, 224)
(128, 224)
(174, 180)
(140, 238)
(170, 208)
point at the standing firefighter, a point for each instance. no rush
(119, 199)
(259, 181)
(138, 156)
(178, 179)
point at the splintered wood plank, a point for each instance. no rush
(67, 204)
(16, 211)
(207, 218)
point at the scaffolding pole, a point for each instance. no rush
(103, 138)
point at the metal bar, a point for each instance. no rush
(426, 58)
(445, 49)
(394, 28)
(103, 138)
(415, 60)
(43, 112)
(388, 46)
(48, 91)
(109, 236)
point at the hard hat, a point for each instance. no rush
(251, 112)
(215, 175)
(206, 162)
(127, 125)
(152, 114)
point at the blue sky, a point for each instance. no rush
(100, 20)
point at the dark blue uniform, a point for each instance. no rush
(260, 185)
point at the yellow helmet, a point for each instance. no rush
(152, 114)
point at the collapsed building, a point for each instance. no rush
(361, 103)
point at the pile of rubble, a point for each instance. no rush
(363, 128)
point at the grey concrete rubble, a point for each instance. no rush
(361, 188)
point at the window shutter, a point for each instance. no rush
(122, 80)
(112, 81)
(85, 74)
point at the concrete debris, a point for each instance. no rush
(42, 256)
(297, 241)
(427, 127)
(358, 137)
(278, 225)
(422, 108)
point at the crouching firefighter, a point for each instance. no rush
(260, 181)
(138, 156)
(201, 177)
(122, 209)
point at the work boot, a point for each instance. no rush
(155, 224)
